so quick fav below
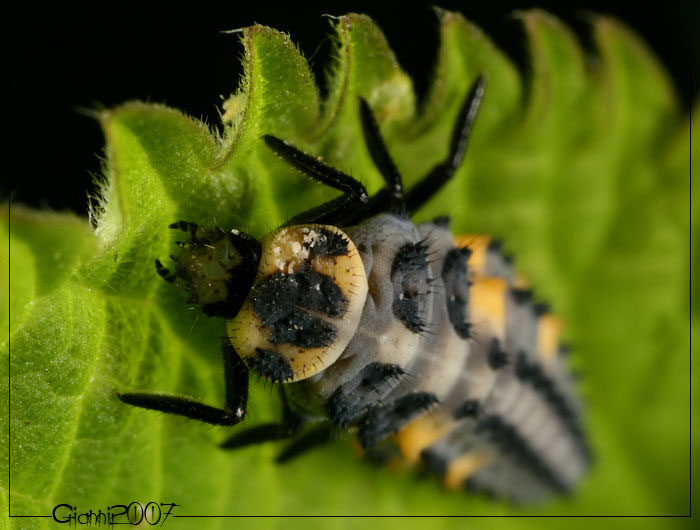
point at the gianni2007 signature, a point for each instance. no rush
(134, 514)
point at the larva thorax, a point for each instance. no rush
(304, 306)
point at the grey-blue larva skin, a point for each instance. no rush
(428, 347)
(528, 428)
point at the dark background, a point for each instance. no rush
(63, 57)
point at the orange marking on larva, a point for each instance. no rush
(421, 433)
(487, 304)
(478, 244)
(548, 330)
(463, 467)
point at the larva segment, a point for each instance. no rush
(478, 245)
(487, 259)
(441, 353)
(421, 433)
(508, 424)
(382, 337)
(305, 304)
(487, 306)
(548, 330)
(465, 466)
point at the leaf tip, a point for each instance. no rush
(611, 33)
(537, 19)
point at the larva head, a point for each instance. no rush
(305, 303)
(217, 267)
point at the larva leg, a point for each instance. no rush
(236, 381)
(390, 198)
(314, 437)
(328, 213)
(354, 193)
(314, 168)
(445, 170)
(380, 156)
(267, 432)
(290, 425)
(165, 273)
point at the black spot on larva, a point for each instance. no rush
(409, 274)
(353, 398)
(507, 438)
(434, 462)
(474, 486)
(411, 257)
(285, 302)
(406, 310)
(304, 288)
(471, 485)
(522, 367)
(329, 244)
(533, 374)
(443, 221)
(496, 245)
(271, 365)
(540, 308)
(469, 409)
(456, 280)
(521, 296)
(496, 357)
(302, 329)
(375, 374)
(385, 419)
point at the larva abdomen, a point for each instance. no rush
(455, 363)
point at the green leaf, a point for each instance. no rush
(581, 170)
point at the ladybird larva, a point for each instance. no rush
(423, 345)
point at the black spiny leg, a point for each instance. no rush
(392, 195)
(164, 273)
(354, 193)
(235, 379)
(314, 437)
(332, 212)
(185, 226)
(267, 432)
(290, 425)
(316, 169)
(445, 170)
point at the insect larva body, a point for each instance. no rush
(422, 344)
